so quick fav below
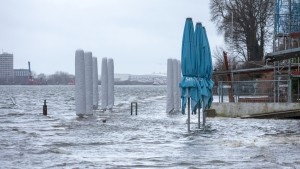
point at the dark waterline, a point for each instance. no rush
(152, 139)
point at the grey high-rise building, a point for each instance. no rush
(6, 68)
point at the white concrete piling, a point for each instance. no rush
(104, 84)
(179, 80)
(170, 100)
(175, 85)
(88, 82)
(80, 97)
(111, 98)
(95, 84)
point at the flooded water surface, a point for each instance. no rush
(152, 139)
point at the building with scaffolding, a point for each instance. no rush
(283, 85)
(286, 46)
(275, 90)
(286, 25)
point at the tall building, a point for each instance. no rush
(6, 68)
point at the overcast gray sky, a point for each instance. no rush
(140, 35)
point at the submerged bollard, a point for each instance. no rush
(136, 106)
(45, 108)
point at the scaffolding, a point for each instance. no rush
(286, 42)
(287, 16)
(285, 60)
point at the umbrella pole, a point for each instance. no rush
(203, 114)
(189, 114)
(199, 114)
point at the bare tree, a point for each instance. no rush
(218, 59)
(61, 78)
(219, 63)
(246, 24)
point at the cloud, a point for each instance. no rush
(139, 35)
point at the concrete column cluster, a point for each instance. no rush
(107, 84)
(86, 83)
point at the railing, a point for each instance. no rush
(254, 91)
(296, 98)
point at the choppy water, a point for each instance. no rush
(152, 139)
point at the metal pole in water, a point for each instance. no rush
(189, 114)
(136, 107)
(45, 108)
(203, 115)
(199, 115)
(204, 119)
(222, 92)
(131, 107)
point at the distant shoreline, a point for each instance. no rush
(116, 84)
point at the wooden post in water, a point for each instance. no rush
(45, 108)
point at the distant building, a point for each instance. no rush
(122, 77)
(6, 68)
(152, 78)
(21, 73)
(157, 79)
(21, 76)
